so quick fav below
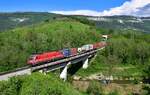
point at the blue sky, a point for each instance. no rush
(79, 7)
(52, 5)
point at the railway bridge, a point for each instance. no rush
(64, 64)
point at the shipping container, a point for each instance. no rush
(74, 51)
(87, 47)
(97, 45)
(66, 52)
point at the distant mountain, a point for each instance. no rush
(122, 22)
(18, 19)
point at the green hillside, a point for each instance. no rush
(17, 45)
(126, 56)
(37, 84)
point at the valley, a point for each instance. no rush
(125, 57)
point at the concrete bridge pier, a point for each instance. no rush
(85, 64)
(63, 74)
(43, 71)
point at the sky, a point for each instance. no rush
(77, 7)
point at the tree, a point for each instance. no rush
(47, 20)
(147, 73)
(146, 79)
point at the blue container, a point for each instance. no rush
(66, 52)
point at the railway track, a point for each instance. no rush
(18, 69)
(16, 72)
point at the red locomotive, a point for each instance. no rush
(39, 58)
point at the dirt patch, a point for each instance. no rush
(81, 85)
(122, 89)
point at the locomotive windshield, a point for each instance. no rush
(32, 57)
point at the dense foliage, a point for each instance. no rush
(83, 20)
(129, 47)
(36, 84)
(127, 55)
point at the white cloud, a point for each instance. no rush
(127, 8)
(77, 12)
(145, 11)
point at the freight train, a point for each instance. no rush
(55, 55)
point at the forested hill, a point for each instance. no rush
(123, 22)
(13, 20)
(18, 19)
(18, 44)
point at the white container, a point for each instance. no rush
(87, 47)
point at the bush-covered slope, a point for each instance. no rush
(37, 84)
(127, 55)
(18, 44)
